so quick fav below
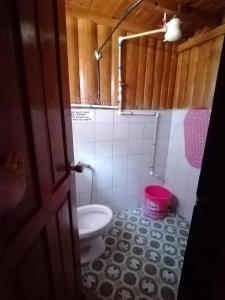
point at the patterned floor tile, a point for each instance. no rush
(142, 260)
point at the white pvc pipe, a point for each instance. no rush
(94, 106)
(154, 140)
(135, 113)
(152, 166)
(133, 36)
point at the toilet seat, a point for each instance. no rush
(92, 219)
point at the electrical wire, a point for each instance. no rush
(126, 13)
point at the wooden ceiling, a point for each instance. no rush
(195, 14)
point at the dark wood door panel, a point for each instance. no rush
(39, 246)
(51, 85)
(33, 277)
(14, 127)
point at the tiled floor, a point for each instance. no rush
(142, 260)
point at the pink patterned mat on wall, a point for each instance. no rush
(196, 124)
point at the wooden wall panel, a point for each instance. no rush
(73, 59)
(183, 77)
(87, 44)
(149, 73)
(172, 77)
(177, 81)
(158, 74)
(194, 53)
(197, 67)
(165, 75)
(148, 64)
(201, 73)
(105, 65)
(155, 74)
(142, 56)
(216, 48)
(131, 70)
(114, 69)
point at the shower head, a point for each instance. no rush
(173, 30)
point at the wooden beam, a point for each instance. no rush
(170, 7)
(199, 18)
(201, 38)
(81, 13)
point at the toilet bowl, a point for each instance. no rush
(93, 221)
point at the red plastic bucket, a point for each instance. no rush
(157, 200)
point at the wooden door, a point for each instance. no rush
(203, 272)
(39, 248)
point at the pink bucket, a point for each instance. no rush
(157, 200)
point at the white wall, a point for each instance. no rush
(120, 149)
(181, 178)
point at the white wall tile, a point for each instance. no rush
(120, 148)
(133, 176)
(104, 116)
(85, 132)
(119, 205)
(136, 130)
(85, 199)
(135, 162)
(147, 146)
(137, 118)
(170, 173)
(120, 164)
(85, 151)
(121, 131)
(160, 171)
(150, 119)
(84, 182)
(172, 158)
(180, 176)
(132, 190)
(163, 130)
(162, 145)
(104, 149)
(149, 129)
(119, 193)
(104, 165)
(104, 196)
(120, 118)
(119, 178)
(102, 181)
(145, 174)
(161, 158)
(133, 201)
(104, 132)
(135, 146)
(189, 206)
(165, 116)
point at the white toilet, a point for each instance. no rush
(93, 221)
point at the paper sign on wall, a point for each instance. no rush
(83, 115)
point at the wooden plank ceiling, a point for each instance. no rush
(195, 14)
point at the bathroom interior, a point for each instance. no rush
(140, 114)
